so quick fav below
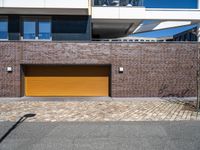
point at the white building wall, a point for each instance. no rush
(44, 3)
(66, 3)
(145, 14)
(23, 3)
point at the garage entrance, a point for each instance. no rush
(52, 81)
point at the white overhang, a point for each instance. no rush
(141, 13)
(68, 7)
(129, 19)
(45, 3)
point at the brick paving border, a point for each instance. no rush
(98, 109)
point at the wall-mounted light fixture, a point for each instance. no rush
(9, 69)
(121, 69)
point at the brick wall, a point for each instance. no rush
(150, 69)
(9, 82)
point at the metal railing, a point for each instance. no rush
(198, 80)
(118, 3)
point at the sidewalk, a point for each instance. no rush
(97, 109)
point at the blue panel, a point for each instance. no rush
(170, 3)
(29, 29)
(3, 29)
(44, 30)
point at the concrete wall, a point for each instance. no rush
(150, 69)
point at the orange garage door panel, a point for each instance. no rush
(67, 80)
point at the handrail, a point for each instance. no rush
(117, 3)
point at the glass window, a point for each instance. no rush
(44, 29)
(29, 30)
(36, 28)
(69, 24)
(3, 28)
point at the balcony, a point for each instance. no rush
(109, 17)
(119, 3)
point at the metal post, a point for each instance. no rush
(198, 32)
(198, 77)
(198, 25)
(198, 61)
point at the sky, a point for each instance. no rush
(168, 4)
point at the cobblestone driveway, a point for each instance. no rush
(85, 109)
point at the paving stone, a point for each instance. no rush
(138, 109)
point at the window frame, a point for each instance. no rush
(37, 20)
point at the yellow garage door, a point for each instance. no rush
(66, 80)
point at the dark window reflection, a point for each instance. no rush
(70, 24)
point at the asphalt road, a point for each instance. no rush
(101, 136)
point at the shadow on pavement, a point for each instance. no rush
(21, 120)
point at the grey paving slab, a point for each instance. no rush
(16, 144)
(96, 144)
(177, 135)
(137, 130)
(80, 130)
(53, 144)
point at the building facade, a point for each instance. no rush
(97, 69)
(46, 50)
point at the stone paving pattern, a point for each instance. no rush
(137, 109)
